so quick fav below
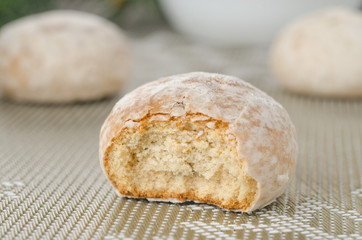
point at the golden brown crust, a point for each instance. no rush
(264, 134)
(189, 196)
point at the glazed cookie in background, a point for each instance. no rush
(321, 54)
(62, 56)
(202, 137)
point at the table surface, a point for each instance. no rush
(52, 186)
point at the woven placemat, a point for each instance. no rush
(52, 186)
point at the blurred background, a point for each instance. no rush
(225, 23)
(53, 187)
(180, 34)
(174, 29)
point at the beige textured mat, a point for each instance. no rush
(52, 187)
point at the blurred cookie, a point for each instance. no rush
(321, 54)
(62, 56)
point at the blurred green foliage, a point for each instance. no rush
(124, 12)
(13, 9)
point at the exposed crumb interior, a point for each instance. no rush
(180, 159)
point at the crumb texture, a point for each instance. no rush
(183, 160)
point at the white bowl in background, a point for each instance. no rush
(239, 22)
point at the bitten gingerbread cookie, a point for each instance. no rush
(199, 137)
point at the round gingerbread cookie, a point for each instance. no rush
(62, 56)
(201, 137)
(321, 54)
